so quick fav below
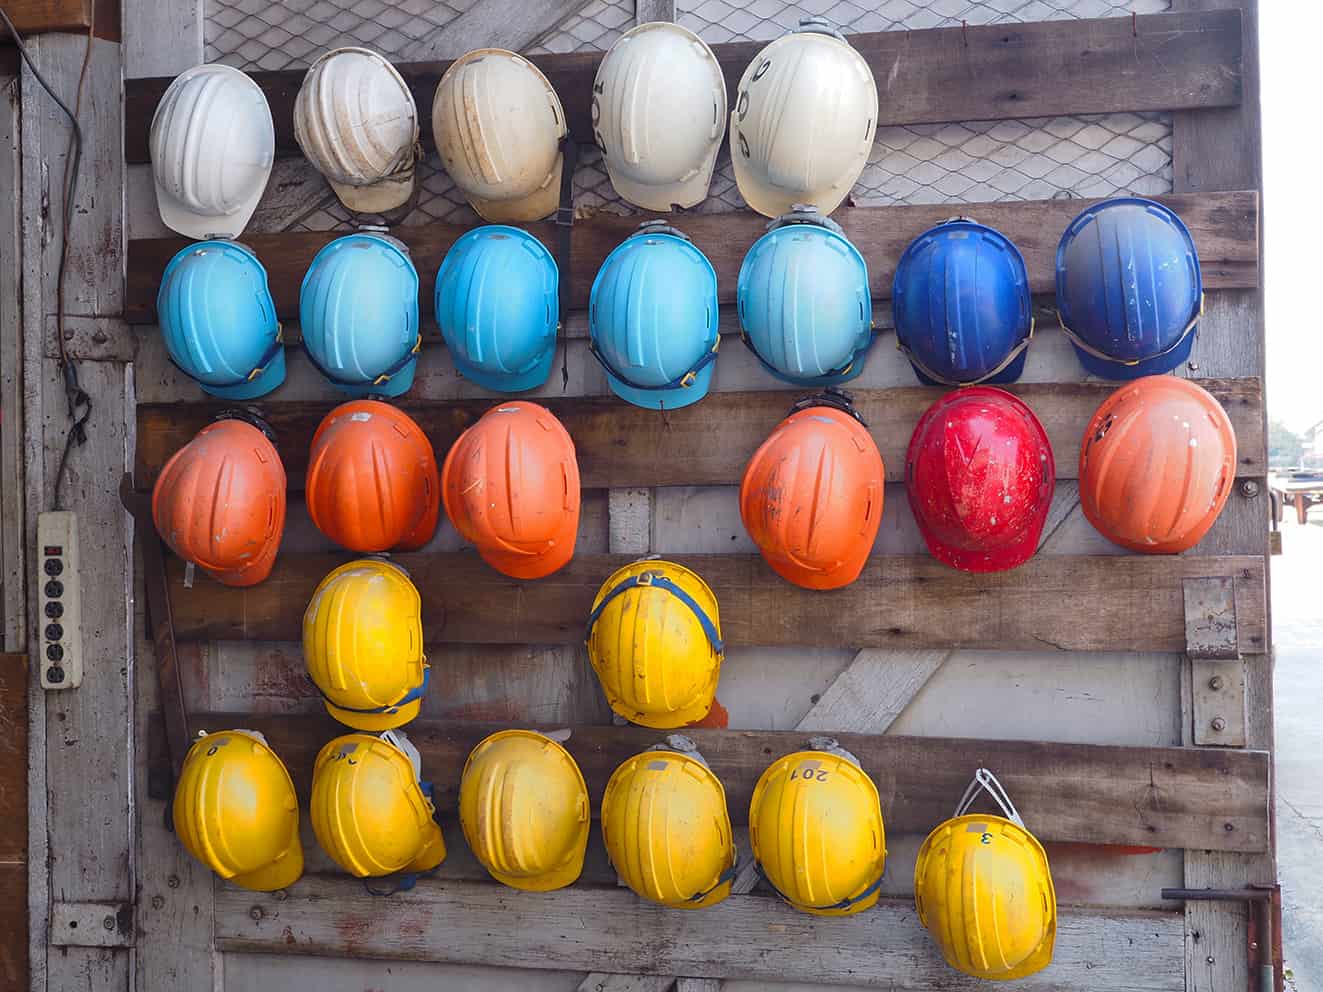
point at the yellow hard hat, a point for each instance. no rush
(235, 811)
(363, 645)
(371, 811)
(666, 828)
(984, 891)
(815, 824)
(654, 638)
(524, 808)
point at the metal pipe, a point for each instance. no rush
(1261, 901)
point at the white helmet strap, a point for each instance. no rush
(985, 781)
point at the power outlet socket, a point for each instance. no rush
(59, 600)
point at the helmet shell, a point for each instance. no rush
(524, 809)
(212, 146)
(219, 502)
(961, 303)
(653, 319)
(372, 480)
(815, 825)
(659, 115)
(219, 322)
(356, 121)
(657, 657)
(363, 645)
(804, 304)
(803, 123)
(812, 497)
(370, 812)
(498, 126)
(358, 307)
(1157, 463)
(1129, 287)
(235, 811)
(983, 889)
(511, 487)
(497, 304)
(979, 474)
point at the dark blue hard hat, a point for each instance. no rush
(1129, 293)
(961, 303)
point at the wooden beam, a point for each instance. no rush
(1224, 226)
(707, 444)
(1211, 799)
(14, 811)
(505, 24)
(33, 16)
(987, 72)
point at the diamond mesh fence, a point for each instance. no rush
(973, 162)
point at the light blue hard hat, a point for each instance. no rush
(805, 310)
(652, 319)
(219, 321)
(358, 308)
(497, 306)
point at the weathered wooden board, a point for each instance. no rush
(1224, 226)
(14, 811)
(624, 446)
(1166, 797)
(1156, 62)
(33, 16)
(505, 24)
(611, 930)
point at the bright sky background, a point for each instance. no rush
(1291, 50)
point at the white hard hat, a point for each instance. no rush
(659, 114)
(803, 121)
(357, 123)
(212, 146)
(498, 125)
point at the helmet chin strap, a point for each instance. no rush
(985, 781)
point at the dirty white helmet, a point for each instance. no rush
(212, 146)
(357, 123)
(659, 114)
(803, 122)
(498, 125)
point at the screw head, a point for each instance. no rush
(1219, 724)
(1193, 366)
(281, 895)
(1216, 683)
(108, 922)
(256, 913)
(1249, 489)
(158, 902)
(173, 881)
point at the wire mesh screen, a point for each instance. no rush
(973, 162)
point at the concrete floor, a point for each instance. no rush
(1297, 611)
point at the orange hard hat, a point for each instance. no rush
(511, 486)
(812, 495)
(372, 479)
(219, 502)
(1157, 463)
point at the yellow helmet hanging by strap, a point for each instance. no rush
(371, 811)
(815, 825)
(236, 812)
(654, 639)
(666, 827)
(523, 805)
(984, 891)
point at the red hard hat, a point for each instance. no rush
(511, 487)
(220, 502)
(812, 495)
(372, 479)
(979, 475)
(1157, 463)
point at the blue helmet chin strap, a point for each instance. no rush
(661, 582)
(405, 881)
(416, 692)
(395, 368)
(843, 904)
(826, 378)
(272, 350)
(725, 878)
(682, 381)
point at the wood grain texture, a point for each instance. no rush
(1223, 225)
(933, 75)
(611, 930)
(706, 444)
(1212, 799)
(504, 24)
(14, 811)
(35, 16)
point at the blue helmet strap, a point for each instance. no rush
(724, 878)
(843, 904)
(1089, 349)
(1000, 367)
(816, 380)
(564, 230)
(659, 581)
(395, 369)
(406, 880)
(272, 350)
(416, 692)
(683, 381)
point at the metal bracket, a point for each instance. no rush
(1218, 672)
(1263, 935)
(91, 924)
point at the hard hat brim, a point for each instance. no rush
(268, 380)
(251, 572)
(529, 566)
(280, 874)
(836, 578)
(376, 721)
(557, 878)
(1011, 373)
(202, 227)
(397, 385)
(1001, 560)
(773, 201)
(665, 198)
(1118, 372)
(664, 399)
(499, 382)
(539, 204)
(377, 198)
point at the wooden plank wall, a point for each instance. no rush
(14, 810)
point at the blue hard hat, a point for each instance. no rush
(1129, 293)
(804, 305)
(652, 319)
(497, 306)
(358, 308)
(219, 321)
(961, 304)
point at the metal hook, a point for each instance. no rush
(1134, 23)
(964, 32)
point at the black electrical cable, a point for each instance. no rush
(76, 398)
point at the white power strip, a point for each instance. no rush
(60, 609)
